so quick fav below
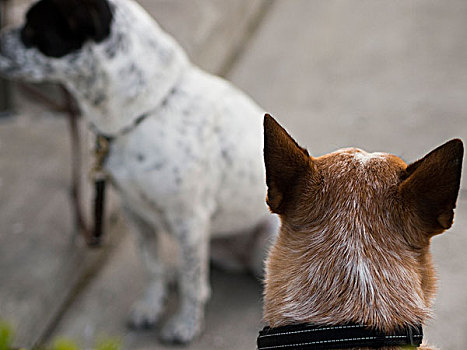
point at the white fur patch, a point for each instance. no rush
(364, 157)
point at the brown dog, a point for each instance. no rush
(353, 249)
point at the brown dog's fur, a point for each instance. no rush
(355, 232)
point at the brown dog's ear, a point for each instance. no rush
(432, 184)
(286, 165)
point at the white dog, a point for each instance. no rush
(186, 147)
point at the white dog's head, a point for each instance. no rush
(52, 37)
(111, 55)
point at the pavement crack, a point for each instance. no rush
(252, 28)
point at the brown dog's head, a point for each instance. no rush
(355, 233)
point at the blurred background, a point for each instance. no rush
(379, 75)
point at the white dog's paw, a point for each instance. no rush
(183, 327)
(144, 314)
(147, 310)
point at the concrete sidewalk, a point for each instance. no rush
(379, 75)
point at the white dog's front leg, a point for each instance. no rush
(148, 308)
(193, 281)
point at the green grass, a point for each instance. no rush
(64, 344)
(108, 344)
(7, 336)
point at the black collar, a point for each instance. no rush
(308, 337)
(110, 137)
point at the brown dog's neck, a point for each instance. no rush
(342, 279)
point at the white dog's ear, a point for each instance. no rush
(287, 166)
(431, 185)
(59, 27)
(87, 19)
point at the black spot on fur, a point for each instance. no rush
(116, 44)
(141, 157)
(187, 150)
(156, 166)
(97, 100)
(226, 156)
(59, 27)
(177, 177)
